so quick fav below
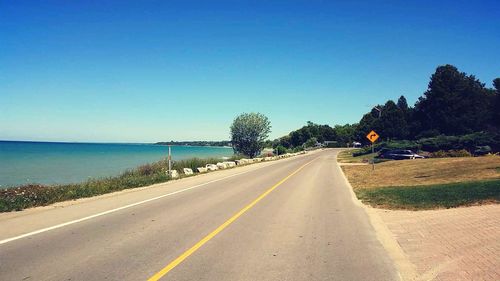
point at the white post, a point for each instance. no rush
(373, 159)
(169, 161)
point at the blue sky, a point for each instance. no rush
(143, 71)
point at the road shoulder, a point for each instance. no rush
(406, 269)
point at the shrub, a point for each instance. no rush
(145, 170)
(388, 145)
(280, 150)
(468, 142)
(193, 163)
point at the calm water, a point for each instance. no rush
(49, 163)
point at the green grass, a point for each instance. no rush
(432, 196)
(33, 195)
(346, 156)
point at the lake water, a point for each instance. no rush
(51, 163)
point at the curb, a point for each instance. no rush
(406, 270)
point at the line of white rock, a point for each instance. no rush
(231, 164)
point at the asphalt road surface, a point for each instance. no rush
(292, 219)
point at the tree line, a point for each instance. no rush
(454, 104)
(456, 111)
(196, 143)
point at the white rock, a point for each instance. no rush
(242, 161)
(188, 171)
(173, 174)
(221, 165)
(202, 170)
(211, 167)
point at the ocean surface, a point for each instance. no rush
(52, 163)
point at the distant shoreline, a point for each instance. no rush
(197, 143)
(224, 144)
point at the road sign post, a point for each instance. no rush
(373, 159)
(372, 136)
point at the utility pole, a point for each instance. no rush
(169, 161)
(377, 108)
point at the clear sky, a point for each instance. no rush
(144, 71)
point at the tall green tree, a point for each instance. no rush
(393, 122)
(311, 142)
(402, 104)
(369, 121)
(249, 132)
(298, 137)
(344, 134)
(495, 120)
(454, 103)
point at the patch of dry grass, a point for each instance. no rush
(424, 172)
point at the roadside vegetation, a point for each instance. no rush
(350, 156)
(34, 195)
(474, 144)
(428, 183)
(456, 112)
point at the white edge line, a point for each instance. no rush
(120, 208)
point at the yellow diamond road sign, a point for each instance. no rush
(372, 136)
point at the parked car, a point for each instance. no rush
(399, 155)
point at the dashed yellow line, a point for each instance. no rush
(207, 238)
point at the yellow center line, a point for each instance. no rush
(207, 238)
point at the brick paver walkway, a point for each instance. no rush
(452, 244)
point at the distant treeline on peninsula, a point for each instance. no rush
(196, 143)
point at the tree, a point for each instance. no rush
(454, 103)
(393, 122)
(280, 150)
(249, 132)
(285, 141)
(369, 121)
(496, 105)
(402, 104)
(344, 134)
(311, 142)
(496, 84)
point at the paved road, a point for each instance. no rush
(306, 227)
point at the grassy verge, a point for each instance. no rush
(33, 195)
(432, 196)
(347, 157)
(427, 183)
